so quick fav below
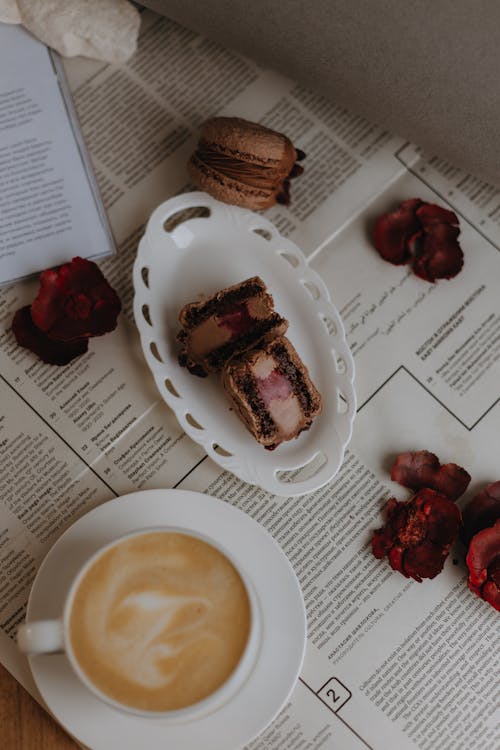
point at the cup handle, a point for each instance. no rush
(42, 637)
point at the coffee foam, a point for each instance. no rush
(160, 621)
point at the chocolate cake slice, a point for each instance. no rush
(270, 389)
(226, 324)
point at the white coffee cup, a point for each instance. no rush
(53, 636)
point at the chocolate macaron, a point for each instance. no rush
(244, 163)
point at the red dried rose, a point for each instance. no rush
(482, 511)
(50, 351)
(420, 469)
(481, 533)
(75, 301)
(483, 561)
(421, 233)
(393, 232)
(418, 534)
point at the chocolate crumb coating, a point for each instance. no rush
(244, 163)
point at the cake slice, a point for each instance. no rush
(271, 391)
(226, 324)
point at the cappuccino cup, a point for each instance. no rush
(159, 623)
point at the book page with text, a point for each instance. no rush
(50, 208)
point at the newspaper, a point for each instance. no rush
(390, 662)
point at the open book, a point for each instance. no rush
(390, 663)
(50, 209)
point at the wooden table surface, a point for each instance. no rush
(24, 725)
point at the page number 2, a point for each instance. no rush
(334, 694)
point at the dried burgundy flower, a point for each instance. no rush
(394, 231)
(50, 351)
(423, 234)
(482, 511)
(75, 301)
(418, 534)
(481, 533)
(422, 469)
(483, 561)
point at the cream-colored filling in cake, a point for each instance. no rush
(206, 337)
(219, 329)
(276, 393)
(287, 415)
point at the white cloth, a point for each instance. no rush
(9, 12)
(102, 29)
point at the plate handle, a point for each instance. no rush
(272, 483)
(166, 211)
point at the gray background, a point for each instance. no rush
(428, 71)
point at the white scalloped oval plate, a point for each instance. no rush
(214, 246)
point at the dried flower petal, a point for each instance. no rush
(423, 561)
(50, 351)
(481, 532)
(75, 301)
(483, 561)
(430, 213)
(418, 534)
(438, 255)
(394, 230)
(420, 469)
(482, 511)
(423, 234)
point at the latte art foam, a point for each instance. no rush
(160, 621)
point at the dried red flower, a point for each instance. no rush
(420, 469)
(50, 351)
(75, 301)
(424, 234)
(481, 533)
(393, 232)
(482, 511)
(483, 561)
(418, 534)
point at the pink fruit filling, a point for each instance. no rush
(236, 319)
(273, 387)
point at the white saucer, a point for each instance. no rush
(236, 723)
